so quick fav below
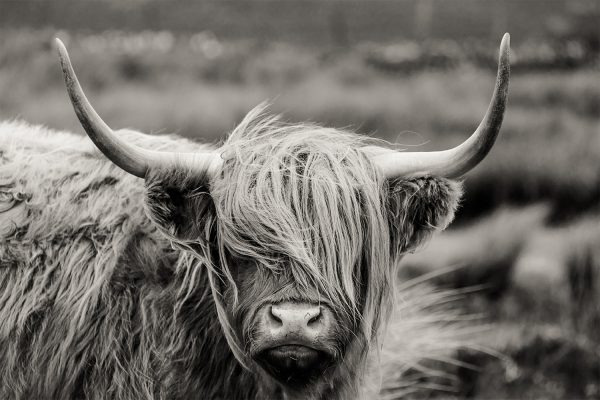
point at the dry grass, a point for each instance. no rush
(583, 273)
(427, 332)
(541, 303)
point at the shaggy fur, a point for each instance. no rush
(100, 298)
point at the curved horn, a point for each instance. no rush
(133, 159)
(459, 160)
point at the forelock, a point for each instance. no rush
(306, 201)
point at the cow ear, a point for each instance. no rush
(180, 205)
(418, 207)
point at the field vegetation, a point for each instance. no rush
(525, 247)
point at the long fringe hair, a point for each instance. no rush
(306, 202)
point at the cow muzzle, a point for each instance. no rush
(294, 341)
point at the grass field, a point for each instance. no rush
(527, 234)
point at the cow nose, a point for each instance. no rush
(294, 316)
(296, 335)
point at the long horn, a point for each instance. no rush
(133, 159)
(457, 161)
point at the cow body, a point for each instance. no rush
(94, 302)
(99, 298)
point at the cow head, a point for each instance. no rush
(300, 228)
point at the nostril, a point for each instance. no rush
(314, 319)
(314, 316)
(273, 313)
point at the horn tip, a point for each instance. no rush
(59, 44)
(62, 50)
(504, 58)
(505, 44)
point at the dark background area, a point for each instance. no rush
(311, 22)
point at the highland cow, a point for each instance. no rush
(260, 269)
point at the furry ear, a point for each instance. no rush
(418, 207)
(180, 205)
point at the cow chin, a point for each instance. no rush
(295, 366)
(295, 343)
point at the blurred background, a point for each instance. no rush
(526, 241)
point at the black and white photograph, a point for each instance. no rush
(299, 199)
